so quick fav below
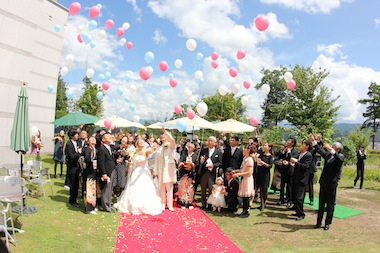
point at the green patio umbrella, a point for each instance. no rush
(75, 119)
(20, 135)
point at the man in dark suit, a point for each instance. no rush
(211, 161)
(329, 179)
(106, 167)
(232, 188)
(301, 177)
(233, 155)
(73, 152)
(287, 172)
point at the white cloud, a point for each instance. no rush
(377, 22)
(332, 50)
(158, 37)
(350, 82)
(136, 9)
(309, 6)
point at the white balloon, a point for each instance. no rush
(191, 44)
(34, 130)
(150, 69)
(126, 26)
(288, 76)
(136, 118)
(64, 71)
(198, 74)
(90, 72)
(243, 65)
(102, 34)
(235, 88)
(132, 88)
(245, 100)
(178, 63)
(69, 60)
(265, 88)
(223, 90)
(122, 41)
(187, 93)
(80, 29)
(202, 108)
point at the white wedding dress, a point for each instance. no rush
(140, 195)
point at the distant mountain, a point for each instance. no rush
(345, 127)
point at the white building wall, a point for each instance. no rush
(30, 52)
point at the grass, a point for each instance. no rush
(58, 227)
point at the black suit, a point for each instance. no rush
(231, 198)
(300, 180)
(72, 157)
(208, 177)
(360, 168)
(328, 183)
(232, 160)
(287, 175)
(106, 166)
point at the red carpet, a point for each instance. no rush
(181, 231)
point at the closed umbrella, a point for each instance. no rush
(233, 126)
(75, 119)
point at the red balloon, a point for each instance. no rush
(109, 23)
(214, 56)
(94, 11)
(214, 64)
(74, 8)
(129, 45)
(173, 82)
(119, 31)
(108, 123)
(261, 22)
(233, 72)
(190, 114)
(291, 85)
(246, 84)
(163, 65)
(144, 73)
(79, 38)
(240, 54)
(105, 86)
(178, 109)
(253, 121)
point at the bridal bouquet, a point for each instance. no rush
(131, 153)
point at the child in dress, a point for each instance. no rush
(216, 199)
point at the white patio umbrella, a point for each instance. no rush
(120, 122)
(196, 122)
(233, 126)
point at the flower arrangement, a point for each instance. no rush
(131, 153)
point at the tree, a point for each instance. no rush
(372, 112)
(88, 102)
(309, 106)
(61, 102)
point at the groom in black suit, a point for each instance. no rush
(106, 166)
(302, 166)
(211, 161)
(233, 154)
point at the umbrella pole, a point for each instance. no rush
(21, 169)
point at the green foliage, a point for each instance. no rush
(61, 102)
(349, 150)
(372, 112)
(88, 102)
(273, 135)
(352, 142)
(369, 174)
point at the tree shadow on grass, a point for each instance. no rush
(289, 227)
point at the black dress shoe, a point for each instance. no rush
(300, 218)
(317, 225)
(327, 227)
(244, 215)
(75, 205)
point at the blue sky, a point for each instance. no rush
(342, 36)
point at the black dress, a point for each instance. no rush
(263, 173)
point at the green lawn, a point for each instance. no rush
(58, 227)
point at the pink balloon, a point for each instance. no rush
(246, 84)
(79, 38)
(108, 123)
(233, 72)
(109, 23)
(291, 85)
(105, 86)
(119, 31)
(240, 54)
(173, 82)
(144, 73)
(94, 11)
(74, 8)
(261, 22)
(253, 121)
(178, 109)
(129, 45)
(214, 56)
(214, 64)
(190, 114)
(163, 65)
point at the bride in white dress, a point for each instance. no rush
(140, 195)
